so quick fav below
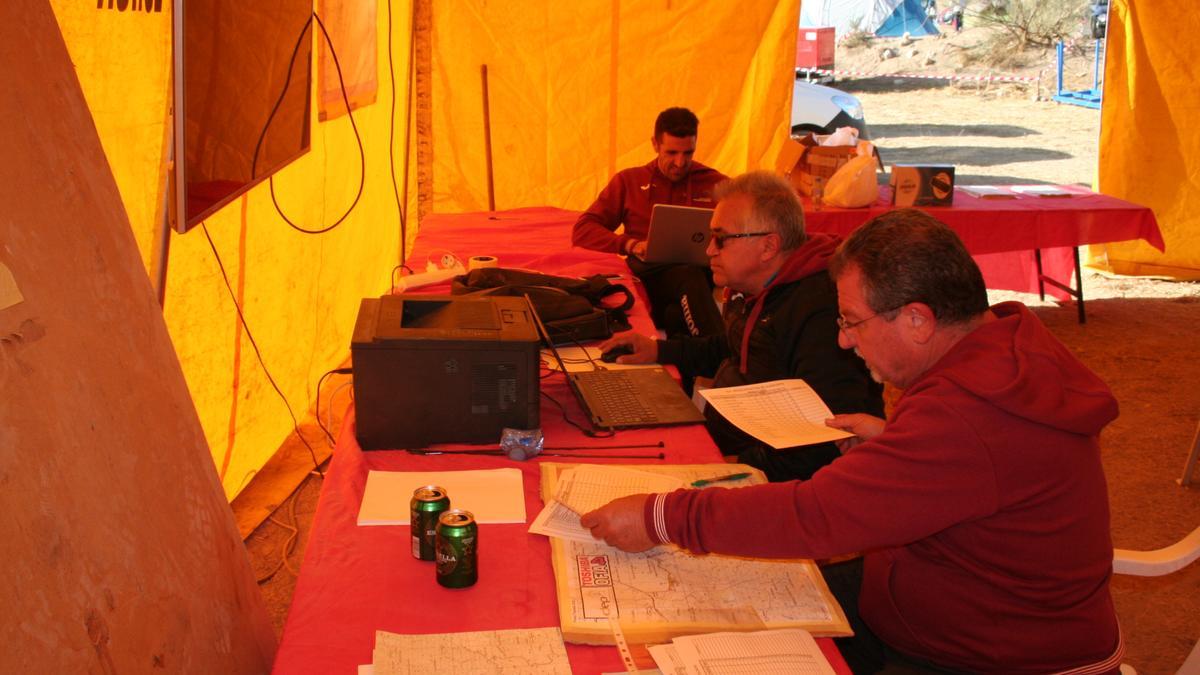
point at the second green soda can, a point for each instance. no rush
(457, 549)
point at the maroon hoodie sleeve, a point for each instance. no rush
(595, 228)
(926, 472)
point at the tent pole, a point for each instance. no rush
(487, 140)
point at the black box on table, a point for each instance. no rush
(443, 369)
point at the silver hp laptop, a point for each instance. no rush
(625, 399)
(678, 234)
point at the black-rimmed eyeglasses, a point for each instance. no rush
(719, 239)
(847, 326)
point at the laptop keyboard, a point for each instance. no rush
(616, 398)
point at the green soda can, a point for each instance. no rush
(427, 504)
(457, 549)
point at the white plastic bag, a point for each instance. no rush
(841, 136)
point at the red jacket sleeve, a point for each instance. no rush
(595, 228)
(908, 483)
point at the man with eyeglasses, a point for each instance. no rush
(681, 296)
(780, 318)
(980, 505)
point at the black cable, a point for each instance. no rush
(287, 82)
(335, 371)
(395, 269)
(362, 155)
(607, 433)
(257, 353)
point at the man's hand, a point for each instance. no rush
(645, 349)
(621, 523)
(636, 248)
(863, 426)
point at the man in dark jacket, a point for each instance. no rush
(780, 321)
(681, 301)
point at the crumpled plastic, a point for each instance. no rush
(854, 184)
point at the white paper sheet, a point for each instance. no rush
(1041, 190)
(493, 496)
(782, 414)
(587, 487)
(576, 358)
(556, 520)
(503, 652)
(789, 651)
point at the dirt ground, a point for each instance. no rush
(1139, 334)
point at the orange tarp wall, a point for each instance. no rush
(1149, 141)
(574, 91)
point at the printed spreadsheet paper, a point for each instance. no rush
(491, 495)
(586, 488)
(590, 486)
(667, 592)
(501, 652)
(782, 413)
(768, 652)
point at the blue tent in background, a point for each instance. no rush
(885, 18)
(907, 17)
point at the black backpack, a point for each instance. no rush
(572, 309)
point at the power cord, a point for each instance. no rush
(607, 433)
(335, 371)
(362, 156)
(289, 544)
(257, 353)
(333, 397)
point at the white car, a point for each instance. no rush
(822, 110)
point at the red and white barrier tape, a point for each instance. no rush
(909, 76)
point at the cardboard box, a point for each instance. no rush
(801, 160)
(922, 184)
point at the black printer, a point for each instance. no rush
(443, 369)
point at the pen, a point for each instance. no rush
(719, 479)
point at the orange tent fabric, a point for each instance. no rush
(575, 91)
(1149, 146)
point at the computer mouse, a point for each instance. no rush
(611, 355)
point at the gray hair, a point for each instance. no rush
(909, 256)
(774, 206)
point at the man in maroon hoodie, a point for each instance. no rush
(980, 505)
(780, 321)
(681, 301)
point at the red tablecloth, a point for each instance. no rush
(356, 580)
(1003, 233)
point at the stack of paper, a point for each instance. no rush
(788, 651)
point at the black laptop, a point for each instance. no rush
(625, 399)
